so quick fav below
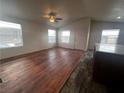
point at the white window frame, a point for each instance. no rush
(108, 36)
(65, 36)
(10, 35)
(51, 36)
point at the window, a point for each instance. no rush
(65, 36)
(51, 36)
(110, 36)
(10, 35)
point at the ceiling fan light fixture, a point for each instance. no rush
(52, 19)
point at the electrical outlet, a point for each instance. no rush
(1, 80)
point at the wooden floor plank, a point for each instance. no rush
(41, 72)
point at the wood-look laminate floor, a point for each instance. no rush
(42, 72)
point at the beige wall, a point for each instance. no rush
(35, 38)
(98, 26)
(35, 35)
(79, 34)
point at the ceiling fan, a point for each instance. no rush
(52, 16)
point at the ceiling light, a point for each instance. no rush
(118, 17)
(52, 19)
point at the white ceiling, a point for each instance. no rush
(69, 10)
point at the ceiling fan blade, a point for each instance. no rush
(59, 19)
(45, 16)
